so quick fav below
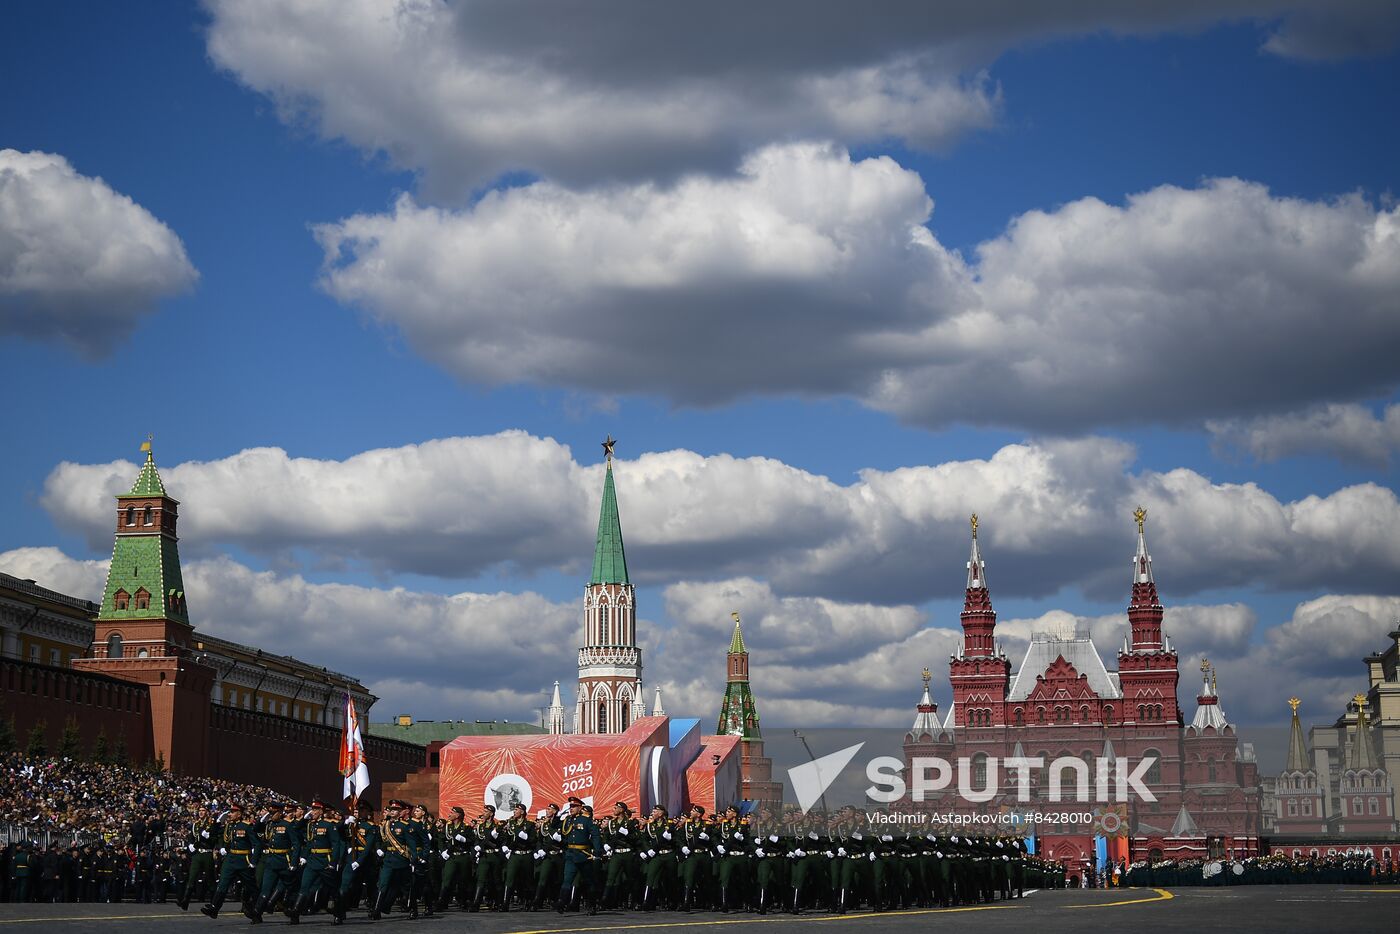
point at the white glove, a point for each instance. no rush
(857, 836)
(460, 839)
(494, 835)
(938, 853)
(191, 847)
(872, 857)
(643, 854)
(355, 864)
(204, 834)
(522, 835)
(738, 835)
(302, 861)
(720, 848)
(772, 838)
(665, 835)
(651, 852)
(539, 854)
(505, 851)
(685, 851)
(555, 836)
(829, 854)
(477, 848)
(445, 855)
(704, 836)
(379, 853)
(622, 830)
(840, 851)
(758, 851)
(223, 851)
(349, 820)
(886, 838)
(1004, 856)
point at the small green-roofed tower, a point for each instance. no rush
(738, 716)
(609, 558)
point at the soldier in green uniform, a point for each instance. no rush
(581, 844)
(427, 871)
(489, 861)
(522, 837)
(623, 842)
(458, 866)
(697, 864)
(809, 868)
(204, 841)
(770, 864)
(22, 865)
(398, 852)
(549, 869)
(240, 851)
(661, 847)
(361, 836)
(733, 848)
(281, 848)
(320, 858)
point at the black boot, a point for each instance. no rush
(505, 899)
(211, 910)
(379, 906)
(763, 901)
(686, 899)
(841, 903)
(796, 895)
(183, 902)
(254, 912)
(476, 899)
(724, 901)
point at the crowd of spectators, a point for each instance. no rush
(101, 831)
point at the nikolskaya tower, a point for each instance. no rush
(609, 662)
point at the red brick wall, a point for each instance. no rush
(33, 692)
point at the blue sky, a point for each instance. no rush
(189, 114)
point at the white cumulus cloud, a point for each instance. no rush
(1348, 431)
(79, 262)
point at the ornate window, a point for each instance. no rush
(131, 515)
(114, 645)
(143, 599)
(147, 516)
(1020, 717)
(121, 600)
(602, 716)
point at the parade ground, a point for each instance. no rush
(1252, 908)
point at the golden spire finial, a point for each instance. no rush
(735, 616)
(146, 446)
(928, 676)
(1140, 515)
(608, 448)
(974, 525)
(1205, 665)
(1294, 703)
(1359, 700)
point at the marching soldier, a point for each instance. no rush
(733, 848)
(581, 845)
(523, 839)
(489, 862)
(320, 859)
(205, 840)
(549, 869)
(241, 850)
(280, 851)
(661, 859)
(623, 841)
(361, 836)
(398, 853)
(696, 863)
(457, 866)
(427, 874)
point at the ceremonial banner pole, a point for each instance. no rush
(353, 768)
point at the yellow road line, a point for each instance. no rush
(1162, 896)
(93, 918)
(769, 920)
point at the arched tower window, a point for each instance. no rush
(114, 646)
(121, 600)
(147, 516)
(602, 716)
(1154, 771)
(143, 599)
(131, 515)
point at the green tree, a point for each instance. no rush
(119, 754)
(7, 734)
(68, 743)
(100, 753)
(38, 746)
(159, 763)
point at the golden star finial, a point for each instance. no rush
(1205, 665)
(1140, 515)
(1359, 700)
(608, 448)
(1295, 704)
(974, 525)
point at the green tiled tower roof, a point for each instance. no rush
(148, 480)
(609, 560)
(738, 715)
(146, 558)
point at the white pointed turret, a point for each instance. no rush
(656, 708)
(926, 720)
(1185, 825)
(976, 567)
(554, 716)
(1208, 712)
(639, 706)
(1142, 561)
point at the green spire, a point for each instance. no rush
(148, 480)
(144, 579)
(736, 644)
(609, 560)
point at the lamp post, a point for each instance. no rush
(811, 758)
